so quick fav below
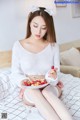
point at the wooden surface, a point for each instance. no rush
(5, 58)
(68, 45)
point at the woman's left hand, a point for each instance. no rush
(60, 84)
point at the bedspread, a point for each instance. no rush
(11, 104)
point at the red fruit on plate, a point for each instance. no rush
(43, 82)
(27, 83)
(37, 80)
(35, 83)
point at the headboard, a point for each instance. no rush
(68, 45)
(5, 58)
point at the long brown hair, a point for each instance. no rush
(50, 35)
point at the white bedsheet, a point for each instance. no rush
(11, 104)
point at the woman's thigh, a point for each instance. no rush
(42, 104)
(27, 97)
(55, 90)
(33, 95)
(56, 103)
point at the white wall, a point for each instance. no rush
(13, 23)
(8, 24)
(67, 27)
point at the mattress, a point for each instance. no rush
(12, 105)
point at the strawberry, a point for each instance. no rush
(27, 83)
(52, 67)
(43, 82)
(35, 83)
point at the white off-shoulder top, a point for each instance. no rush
(25, 62)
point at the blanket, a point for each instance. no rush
(13, 108)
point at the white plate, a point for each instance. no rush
(35, 87)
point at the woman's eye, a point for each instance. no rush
(44, 28)
(41, 28)
(35, 26)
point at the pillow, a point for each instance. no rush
(70, 57)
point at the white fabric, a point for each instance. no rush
(45, 3)
(48, 4)
(35, 8)
(16, 110)
(70, 57)
(5, 86)
(25, 62)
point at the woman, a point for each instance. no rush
(34, 56)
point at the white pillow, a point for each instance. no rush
(70, 57)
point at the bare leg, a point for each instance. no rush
(42, 104)
(57, 105)
(27, 102)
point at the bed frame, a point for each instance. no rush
(5, 58)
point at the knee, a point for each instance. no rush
(49, 90)
(31, 91)
(44, 91)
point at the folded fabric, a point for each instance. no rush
(5, 85)
(70, 57)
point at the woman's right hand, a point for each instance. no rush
(52, 77)
(53, 73)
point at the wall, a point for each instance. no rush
(13, 23)
(67, 28)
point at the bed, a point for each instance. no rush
(11, 104)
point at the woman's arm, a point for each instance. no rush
(57, 64)
(57, 58)
(16, 73)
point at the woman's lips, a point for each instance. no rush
(37, 36)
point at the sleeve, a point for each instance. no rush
(16, 74)
(57, 57)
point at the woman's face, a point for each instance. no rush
(38, 27)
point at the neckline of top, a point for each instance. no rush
(42, 51)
